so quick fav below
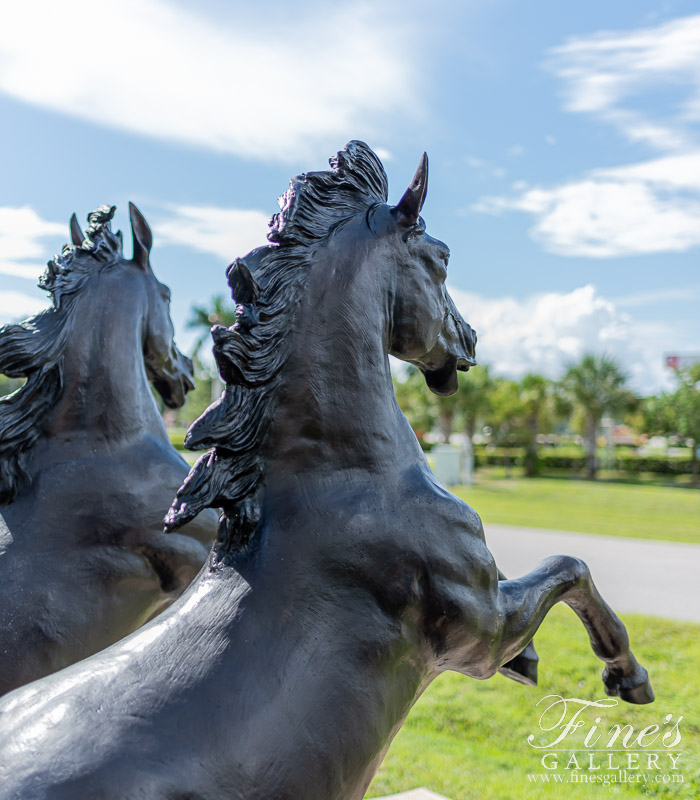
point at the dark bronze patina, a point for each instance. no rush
(86, 467)
(344, 578)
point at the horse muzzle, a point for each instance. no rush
(460, 344)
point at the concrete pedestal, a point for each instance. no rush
(414, 794)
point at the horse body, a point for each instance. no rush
(92, 578)
(273, 648)
(344, 578)
(83, 558)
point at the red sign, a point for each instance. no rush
(682, 361)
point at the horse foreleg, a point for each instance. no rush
(523, 604)
(522, 668)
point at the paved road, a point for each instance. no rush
(414, 794)
(658, 578)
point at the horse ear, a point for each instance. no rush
(411, 203)
(244, 287)
(143, 238)
(76, 234)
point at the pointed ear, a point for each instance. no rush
(410, 205)
(76, 234)
(244, 287)
(143, 238)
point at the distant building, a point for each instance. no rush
(676, 362)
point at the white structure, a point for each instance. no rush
(446, 464)
(414, 794)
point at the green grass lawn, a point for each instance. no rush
(646, 511)
(467, 739)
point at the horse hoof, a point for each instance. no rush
(634, 688)
(522, 668)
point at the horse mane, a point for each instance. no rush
(34, 349)
(267, 285)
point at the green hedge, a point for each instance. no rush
(498, 456)
(551, 459)
(660, 466)
(573, 459)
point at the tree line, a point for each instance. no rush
(515, 413)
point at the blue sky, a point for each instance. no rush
(564, 145)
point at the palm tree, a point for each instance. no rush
(220, 313)
(416, 401)
(467, 407)
(678, 414)
(536, 397)
(595, 386)
(474, 395)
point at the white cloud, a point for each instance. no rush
(164, 71)
(17, 305)
(599, 218)
(544, 333)
(21, 249)
(674, 172)
(384, 154)
(648, 207)
(681, 294)
(224, 232)
(474, 162)
(608, 75)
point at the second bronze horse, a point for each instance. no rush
(86, 466)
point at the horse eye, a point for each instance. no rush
(412, 233)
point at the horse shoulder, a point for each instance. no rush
(415, 540)
(445, 533)
(458, 577)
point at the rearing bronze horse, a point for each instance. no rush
(344, 579)
(85, 461)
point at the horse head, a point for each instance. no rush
(169, 370)
(427, 330)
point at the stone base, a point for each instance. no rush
(413, 794)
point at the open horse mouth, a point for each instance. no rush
(464, 363)
(443, 381)
(172, 379)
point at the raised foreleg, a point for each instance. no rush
(522, 604)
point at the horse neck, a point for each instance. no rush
(106, 395)
(337, 408)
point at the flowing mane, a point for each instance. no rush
(267, 285)
(34, 349)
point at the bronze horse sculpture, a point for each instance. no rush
(344, 578)
(85, 461)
